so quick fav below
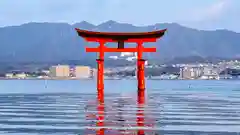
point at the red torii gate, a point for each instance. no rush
(104, 37)
(120, 38)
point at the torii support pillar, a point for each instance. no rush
(100, 80)
(140, 71)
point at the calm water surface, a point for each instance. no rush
(69, 107)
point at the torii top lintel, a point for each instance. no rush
(93, 36)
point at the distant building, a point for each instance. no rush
(181, 73)
(210, 73)
(190, 72)
(94, 73)
(185, 73)
(21, 75)
(46, 72)
(82, 72)
(210, 77)
(168, 76)
(129, 56)
(113, 57)
(208, 70)
(9, 75)
(60, 71)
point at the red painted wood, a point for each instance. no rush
(139, 38)
(100, 118)
(121, 50)
(100, 80)
(120, 36)
(126, 41)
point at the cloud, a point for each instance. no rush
(18, 12)
(211, 12)
(138, 12)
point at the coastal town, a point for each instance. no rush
(202, 71)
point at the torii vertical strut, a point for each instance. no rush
(121, 38)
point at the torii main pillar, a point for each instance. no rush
(121, 38)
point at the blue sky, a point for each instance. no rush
(201, 14)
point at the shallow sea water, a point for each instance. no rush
(71, 108)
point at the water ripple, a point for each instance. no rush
(172, 113)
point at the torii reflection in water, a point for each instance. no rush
(117, 123)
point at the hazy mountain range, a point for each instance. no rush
(46, 42)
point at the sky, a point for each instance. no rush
(200, 14)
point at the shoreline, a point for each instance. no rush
(104, 79)
(46, 79)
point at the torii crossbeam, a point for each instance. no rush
(121, 38)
